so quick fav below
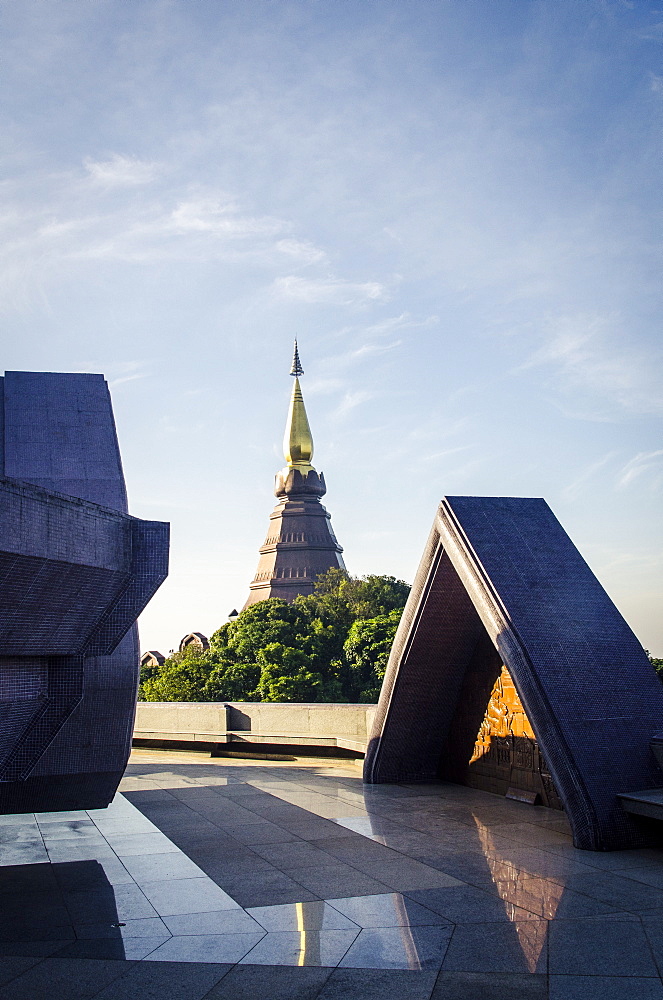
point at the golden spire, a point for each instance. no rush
(297, 440)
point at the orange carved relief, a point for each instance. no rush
(505, 716)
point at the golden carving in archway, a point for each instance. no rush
(505, 716)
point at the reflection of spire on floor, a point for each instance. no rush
(521, 891)
(300, 923)
(309, 944)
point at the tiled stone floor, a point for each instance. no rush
(289, 880)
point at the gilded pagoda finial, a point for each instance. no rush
(297, 440)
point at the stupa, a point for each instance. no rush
(300, 542)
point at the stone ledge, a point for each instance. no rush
(324, 725)
(646, 803)
(349, 742)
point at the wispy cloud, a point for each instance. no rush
(583, 479)
(67, 224)
(354, 355)
(653, 33)
(590, 351)
(438, 426)
(436, 456)
(221, 218)
(351, 400)
(328, 291)
(117, 372)
(390, 325)
(47, 237)
(127, 378)
(369, 350)
(323, 386)
(301, 250)
(645, 463)
(121, 171)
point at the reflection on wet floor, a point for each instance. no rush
(299, 865)
(96, 908)
(387, 927)
(518, 892)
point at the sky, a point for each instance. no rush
(454, 205)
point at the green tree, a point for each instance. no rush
(348, 598)
(255, 628)
(182, 677)
(285, 675)
(231, 681)
(372, 595)
(322, 647)
(367, 651)
(149, 672)
(657, 663)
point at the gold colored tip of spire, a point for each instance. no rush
(298, 440)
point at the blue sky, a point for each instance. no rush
(454, 204)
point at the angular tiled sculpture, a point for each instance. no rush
(501, 583)
(75, 572)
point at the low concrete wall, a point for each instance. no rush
(292, 723)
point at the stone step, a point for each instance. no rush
(647, 803)
(656, 743)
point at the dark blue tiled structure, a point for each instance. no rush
(75, 572)
(503, 569)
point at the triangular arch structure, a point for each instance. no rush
(501, 583)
